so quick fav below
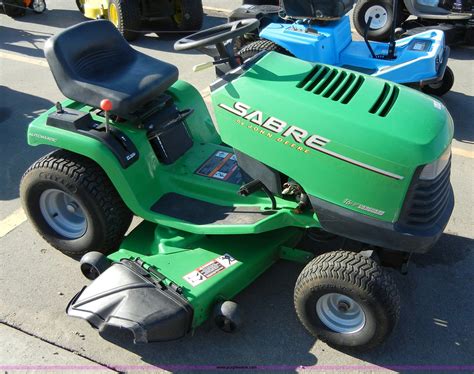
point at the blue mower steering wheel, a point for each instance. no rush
(217, 34)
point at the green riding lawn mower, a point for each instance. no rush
(293, 152)
(133, 17)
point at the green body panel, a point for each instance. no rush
(415, 132)
(145, 181)
(175, 254)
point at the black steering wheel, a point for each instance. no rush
(217, 34)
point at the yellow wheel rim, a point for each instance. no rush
(113, 14)
(178, 12)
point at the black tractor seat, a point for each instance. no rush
(92, 61)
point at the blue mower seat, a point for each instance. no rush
(92, 61)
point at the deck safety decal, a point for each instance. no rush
(206, 271)
(222, 166)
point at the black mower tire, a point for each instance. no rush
(80, 5)
(227, 316)
(93, 264)
(129, 18)
(189, 15)
(252, 49)
(14, 8)
(358, 17)
(107, 217)
(360, 278)
(261, 2)
(442, 87)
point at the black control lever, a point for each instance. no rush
(254, 186)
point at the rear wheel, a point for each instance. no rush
(443, 86)
(252, 49)
(382, 15)
(73, 205)
(125, 15)
(188, 15)
(347, 300)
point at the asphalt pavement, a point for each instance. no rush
(36, 282)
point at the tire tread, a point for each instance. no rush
(88, 175)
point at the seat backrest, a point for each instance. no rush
(84, 52)
(317, 8)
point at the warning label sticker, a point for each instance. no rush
(206, 271)
(223, 166)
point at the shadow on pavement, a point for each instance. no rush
(34, 40)
(17, 110)
(271, 335)
(462, 53)
(436, 324)
(461, 108)
(60, 18)
(434, 330)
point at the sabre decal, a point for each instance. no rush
(276, 125)
(313, 141)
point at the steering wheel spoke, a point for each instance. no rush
(216, 35)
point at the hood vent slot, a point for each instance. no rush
(337, 85)
(385, 101)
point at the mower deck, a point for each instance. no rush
(193, 271)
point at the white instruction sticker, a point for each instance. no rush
(206, 271)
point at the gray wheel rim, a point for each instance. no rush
(379, 17)
(63, 213)
(39, 6)
(340, 313)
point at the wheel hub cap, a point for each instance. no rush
(63, 213)
(39, 5)
(113, 15)
(340, 313)
(379, 17)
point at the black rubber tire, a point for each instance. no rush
(80, 6)
(361, 279)
(358, 17)
(443, 87)
(227, 316)
(94, 264)
(251, 49)
(14, 8)
(261, 2)
(129, 18)
(192, 15)
(107, 215)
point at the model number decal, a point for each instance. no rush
(43, 137)
(208, 270)
(364, 207)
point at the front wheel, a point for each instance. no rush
(73, 205)
(254, 48)
(38, 6)
(443, 86)
(382, 15)
(189, 15)
(347, 300)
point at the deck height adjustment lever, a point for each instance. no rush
(254, 186)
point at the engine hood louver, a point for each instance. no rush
(336, 85)
(385, 101)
